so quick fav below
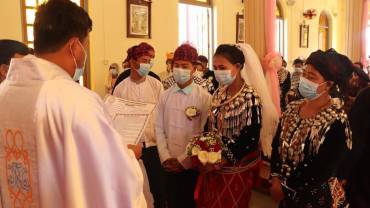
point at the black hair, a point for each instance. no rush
(56, 22)
(284, 63)
(332, 65)
(8, 48)
(232, 53)
(298, 61)
(203, 59)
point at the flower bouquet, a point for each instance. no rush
(205, 149)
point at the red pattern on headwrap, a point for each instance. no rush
(186, 52)
(141, 50)
(146, 46)
(129, 54)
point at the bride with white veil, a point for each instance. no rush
(244, 116)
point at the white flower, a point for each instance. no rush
(202, 139)
(212, 157)
(203, 157)
(195, 150)
(191, 111)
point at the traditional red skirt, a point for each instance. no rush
(230, 187)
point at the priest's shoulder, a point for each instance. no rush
(71, 94)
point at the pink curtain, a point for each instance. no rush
(270, 26)
(364, 22)
(269, 67)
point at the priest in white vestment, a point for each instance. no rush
(58, 147)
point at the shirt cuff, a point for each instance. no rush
(164, 155)
(185, 161)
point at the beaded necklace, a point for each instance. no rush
(296, 131)
(229, 115)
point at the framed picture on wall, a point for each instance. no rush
(304, 31)
(240, 29)
(139, 18)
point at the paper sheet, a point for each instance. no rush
(129, 118)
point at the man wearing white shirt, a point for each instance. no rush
(143, 88)
(58, 147)
(175, 128)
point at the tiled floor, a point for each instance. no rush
(260, 200)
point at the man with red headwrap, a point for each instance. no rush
(127, 71)
(175, 127)
(142, 88)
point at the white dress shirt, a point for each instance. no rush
(147, 90)
(58, 146)
(173, 128)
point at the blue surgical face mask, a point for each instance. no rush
(308, 89)
(79, 70)
(181, 75)
(144, 69)
(224, 77)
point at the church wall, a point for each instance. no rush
(336, 10)
(10, 20)
(109, 43)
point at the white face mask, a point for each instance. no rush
(114, 72)
(224, 77)
(308, 89)
(181, 75)
(79, 70)
(144, 69)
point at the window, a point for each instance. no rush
(29, 12)
(324, 39)
(195, 27)
(197, 2)
(280, 31)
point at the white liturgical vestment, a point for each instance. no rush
(58, 147)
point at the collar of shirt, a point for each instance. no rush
(139, 81)
(187, 90)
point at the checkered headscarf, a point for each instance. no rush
(141, 50)
(186, 52)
